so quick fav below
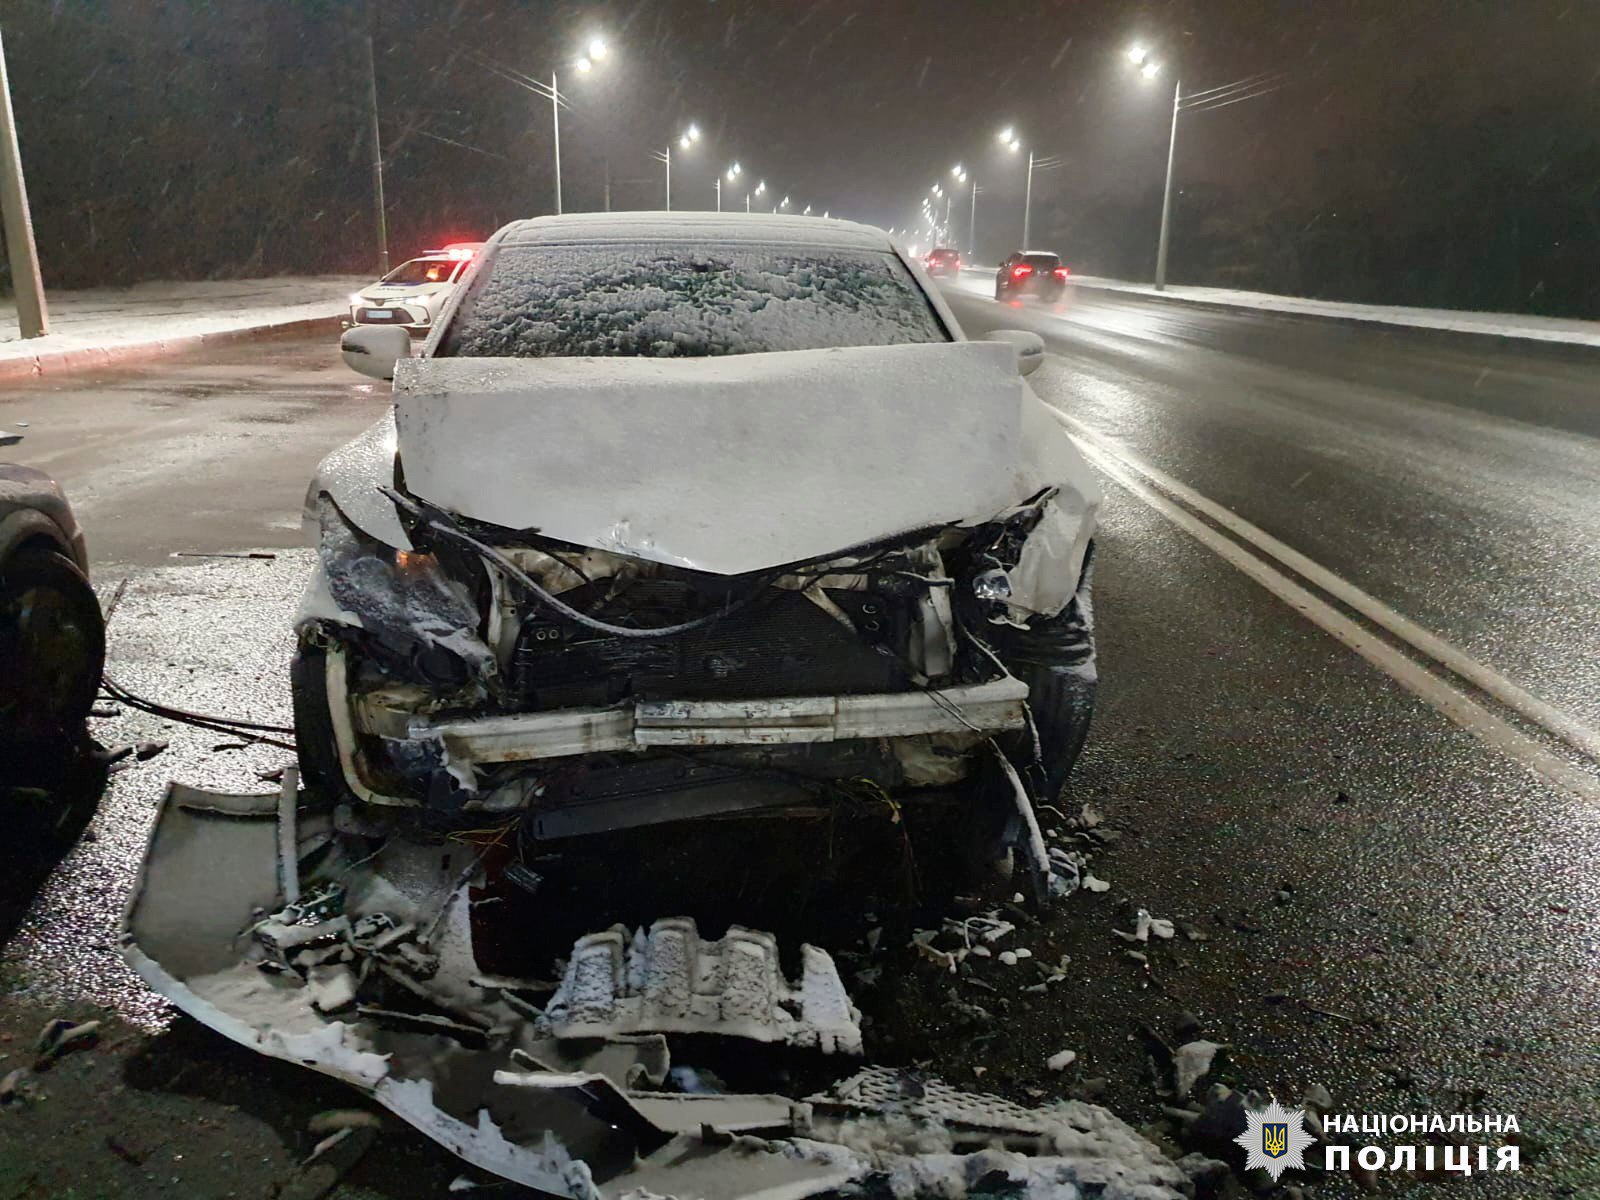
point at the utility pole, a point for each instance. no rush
(1166, 193)
(1027, 205)
(555, 116)
(377, 153)
(32, 313)
(972, 223)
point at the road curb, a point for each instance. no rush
(1400, 327)
(22, 368)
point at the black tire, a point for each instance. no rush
(52, 650)
(998, 294)
(1056, 659)
(314, 739)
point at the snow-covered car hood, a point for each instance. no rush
(736, 464)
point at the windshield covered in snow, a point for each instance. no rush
(422, 270)
(703, 300)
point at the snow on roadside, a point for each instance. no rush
(149, 313)
(979, 280)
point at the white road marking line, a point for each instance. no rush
(1471, 716)
(1560, 724)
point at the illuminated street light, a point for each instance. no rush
(583, 66)
(1248, 88)
(1013, 144)
(689, 137)
(733, 173)
(806, 211)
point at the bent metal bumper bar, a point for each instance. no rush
(522, 737)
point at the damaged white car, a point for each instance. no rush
(686, 516)
(679, 520)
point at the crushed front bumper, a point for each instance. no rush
(988, 707)
(563, 1098)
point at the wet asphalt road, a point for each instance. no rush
(1443, 911)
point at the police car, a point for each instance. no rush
(413, 294)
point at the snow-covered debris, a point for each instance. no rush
(1190, 1063)
(1145, 925)
(1061, 1060)
(667, 980)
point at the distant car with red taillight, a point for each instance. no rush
(1031, 274)
(943, 261)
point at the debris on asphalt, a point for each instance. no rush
(258, 554)
(1220, 1121)
(1144, 926)
(145, 751)
(1317, 1097)
(1095, 885)
(334, 1119)
(61, 1036)
(328, 1163)
(14, 1086)
(434, 1038)
(660, 981)
(1190, 1062)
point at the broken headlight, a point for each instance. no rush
(414, 616)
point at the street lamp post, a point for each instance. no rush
(1166, 192)
(688, 138)
(733, 173)
(597, 50)
(1248, 88)
(33, 315)
(1013, 143)
(960, 174)
(377, 160)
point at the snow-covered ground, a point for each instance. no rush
(980, 281)
(147, 315)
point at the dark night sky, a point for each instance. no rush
(224, 137)
(859, 106)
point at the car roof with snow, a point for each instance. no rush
(723, 228)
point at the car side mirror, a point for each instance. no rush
(1029, 347)
(372, 350)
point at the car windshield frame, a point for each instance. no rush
(452, 269)
(636, 258)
